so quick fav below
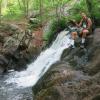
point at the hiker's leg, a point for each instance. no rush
(84, 34)
(74, 36)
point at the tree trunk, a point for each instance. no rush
(41, 10)
(0, 10)
(19, 4)
(27, 8)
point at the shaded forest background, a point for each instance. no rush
(56, 12)
(43, 9)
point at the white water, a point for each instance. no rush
(37, 69)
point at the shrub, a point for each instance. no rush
(54, 28)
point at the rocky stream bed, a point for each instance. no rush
(75, 77)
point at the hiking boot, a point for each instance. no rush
(82, 46)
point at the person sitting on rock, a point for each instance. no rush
(74, 36)
(84, 27)
(74, 33)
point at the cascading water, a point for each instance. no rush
(37, 69)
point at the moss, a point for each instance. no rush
(50, 93)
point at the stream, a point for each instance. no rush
(17, 85)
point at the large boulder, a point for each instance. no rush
(93, 65)
(75, 77)
(96, 40)
(9, 29)
(16, 48)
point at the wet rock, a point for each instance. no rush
(96, 40)
(20, 57)
(97, 97)
(93, 65)
(3, 64)
(3, 59)
(61, 83)
(2, 70)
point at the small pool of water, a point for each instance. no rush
(11, 92)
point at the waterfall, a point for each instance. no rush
(37, 69)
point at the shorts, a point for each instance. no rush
(80, 30)
(85, 31)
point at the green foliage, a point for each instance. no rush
(55, 27)
(15, 9)
(77, 9)
(12, 12)
(96, 8)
